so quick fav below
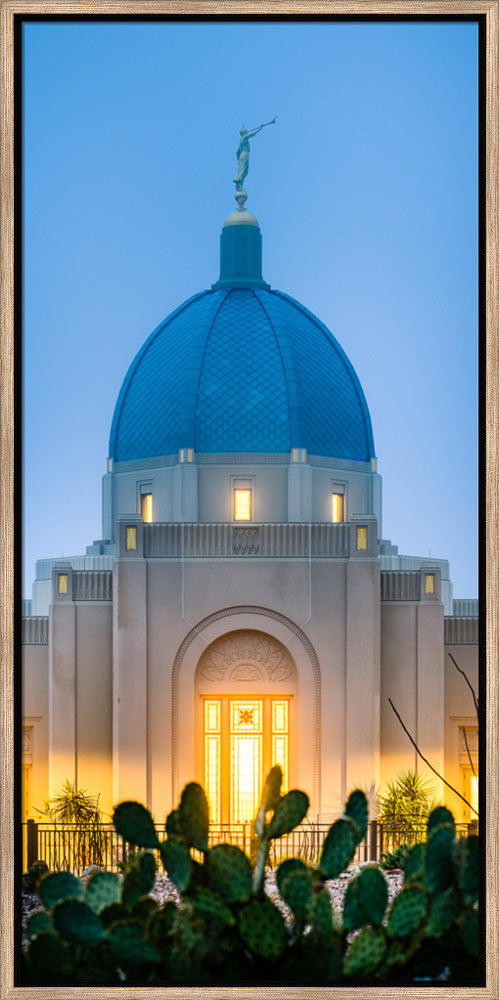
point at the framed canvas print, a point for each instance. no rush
(249, 488)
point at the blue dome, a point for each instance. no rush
(241, 369)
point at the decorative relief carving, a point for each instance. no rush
(247, 653)
(27, 733)
(471, 737)
(246, 541)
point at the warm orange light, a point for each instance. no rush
(131, 538)
(361, 538)
(146, 507)
(337, 508)
(242, 505)
(429, 583)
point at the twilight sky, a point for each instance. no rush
(366, 194)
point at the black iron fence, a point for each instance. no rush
(73, 848)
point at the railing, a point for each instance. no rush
(264, 540)
(72, 848)
(460, 630)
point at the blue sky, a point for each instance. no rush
(366, 194)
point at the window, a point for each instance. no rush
(186, 454)
(242, 505)
(239, 753)
(299, 454)
(131, 538)
(361, 538)
(63, 583)
(429, 583)
(146, 507)
(337, 514)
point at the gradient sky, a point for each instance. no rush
(366, 194)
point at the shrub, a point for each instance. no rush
(406, 803)
(226, 930)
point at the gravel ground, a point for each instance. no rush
(165, 890)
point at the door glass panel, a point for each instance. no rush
(245, 758)
(212, 755)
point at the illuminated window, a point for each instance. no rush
(361, 538)
(186, 454)
(63, 583)
(299, 454)
(242, 505)
(131, 538)
(429, 583)
(146, 507)
(238, 755)
(337, 508)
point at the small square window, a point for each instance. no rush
(361, 538)
(63, 583)
(146, 507)
(131, 538)
(429, 583)
(337, 511)
(242, 505)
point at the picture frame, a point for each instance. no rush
(11, 11)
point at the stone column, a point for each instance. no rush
(130, 662)
(62, 680)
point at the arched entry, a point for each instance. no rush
(245, 691)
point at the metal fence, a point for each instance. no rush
(72, 848)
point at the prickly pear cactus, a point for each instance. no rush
(60, 885)
(263, 929)
(210, 906)
(441, 816)
(365, 954)
(102, 890)
(321, 915)
(339, 847)
(415, 864)
(48, 958)
(77, 923)
(439, 858)
(229, 873)
(444, 908)
(297, 892)
(193, 816)
(288, 813)
(38, 922)
(467, 857)
(286, 867)
(357, 809)
(408, 911)
(365, 900)
(176, 861)
(135, 824)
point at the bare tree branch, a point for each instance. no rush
(475, 699)
(418, 751)
(468, 751)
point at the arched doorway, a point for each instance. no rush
(245, 690)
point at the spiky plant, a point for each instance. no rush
(74, 808)
(407, 802)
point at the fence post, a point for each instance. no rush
(31, 842)
(473, 826)
(380, 850)
(373, 840)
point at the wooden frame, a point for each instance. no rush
(10, 9)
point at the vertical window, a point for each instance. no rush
(212, 751)
(429, 583)
(242, 505)
(146, 507)
(63, 583)
(361, 538)
(337, 514)
(131, 538)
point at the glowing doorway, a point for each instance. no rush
(243, 738)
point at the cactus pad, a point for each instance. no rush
(60, 885)
(135, 824)
(193, 816)
(208, 905)
(365, 899)
(339, 847)
(439, 858)
(76, 922)
(286, 867)
(288, 813)
(129, 946)
(102, 890)
(229, 872)
(297, 892)
(271, 791)
(408, 911)
(415, 864)
(263, 929)
(438, 817)
(177, 862)
(38, 922)
(366, 952)
(470, 931)
(443, 910)
(468, 860)
(321, 916)
(357, 809)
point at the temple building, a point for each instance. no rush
(242, 607)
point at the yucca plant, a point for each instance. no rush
(74, 808)
(407, 802)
